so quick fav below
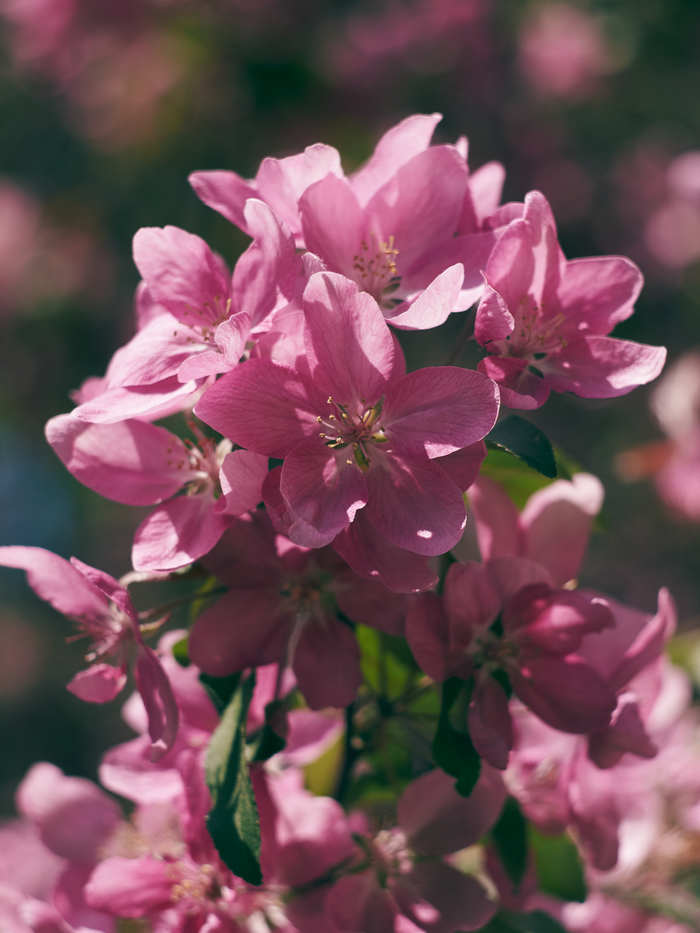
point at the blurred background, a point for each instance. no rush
(107, 105)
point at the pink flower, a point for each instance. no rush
(141, 464)
(103, 610)
(543, 319)
(563, 51)
(281, 608)
(356, 432)
(195, 318)
(409, 886)
(504, 616)
(406, 227)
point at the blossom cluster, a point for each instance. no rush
(314, 494)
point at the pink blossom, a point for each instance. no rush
(409, 886)
(413, 232)
(140, 464)
(541, 631)
(195, 318)
(563, 51)
(102, 610)
(356, 432)
(543, 319)
(281, 608)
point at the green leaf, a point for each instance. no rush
(220, 689)
(509, 835)
(233, 821)
(558, 866)
(269, 739)
(523, 439)
(387, 664)
(180, 652)
(452, 747)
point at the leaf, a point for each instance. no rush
(452, 747)
(180, 652)
(387, 663)
(220, 689)
(527, 442)
(509, 835)
(270, 739)
(558, 866)
(233, 821)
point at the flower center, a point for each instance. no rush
(375, 269)
(342, 429)
(534, 336)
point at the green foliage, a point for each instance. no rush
(233, 821)
(509, 836)
(558, 866)
(452, 747)
(180, 652)
(387, 663)
(523, 439)
(269, 739)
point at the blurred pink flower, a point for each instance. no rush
(563, 51)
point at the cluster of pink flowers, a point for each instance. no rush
(315, 501)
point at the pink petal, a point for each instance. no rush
(547, 255)
(129, 770)
(421, 203)
(463, 466)
(158, 698)
(244, 628)
(99, 683)
(518, 386)
(322, 488)
(556, 524)
(472, 602)
(131, 887)
(332, 222)
(490, 726)
(75, 818)
(269, 263)
(396, 147)
(131, 462)
(493, 319)
(177, 533)
(496, 518)
(649, 642)
(282, 182)
(435, 304)
(154, 354)
(599, 292)
(326, 663)
(54, 580)
(225, 192)
(261, 406)
(555, 621)
(438, 821)
(460, 901)
(603, 367)
(567, 693)
(242, 476)
(183, 274)
(440, 409)
(350, 349)
(486, 185)
(370, 555)
(414, 505)
(147, 402)
(427, 632)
